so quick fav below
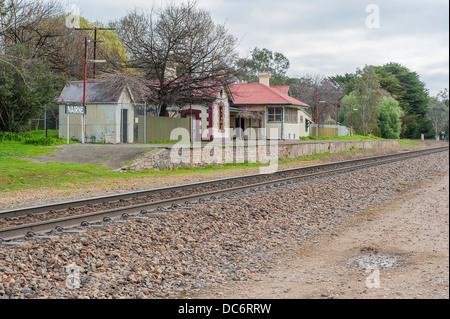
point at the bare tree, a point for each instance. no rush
(114, 82)
(37, 28)
(320, 93)
(17, 18)
(24, 23)
(40, 28)
(182, 53)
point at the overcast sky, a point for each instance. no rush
(326, 37)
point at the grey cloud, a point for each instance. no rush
(328, 36)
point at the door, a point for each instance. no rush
(240, 123)
(124, 126)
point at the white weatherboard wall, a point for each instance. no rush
(103, 122)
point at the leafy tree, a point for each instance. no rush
(263, 61)
(390, 123)
(438, 114)
(368, 93)
(347, 81)
(390, 82)
(405, 86)
(443, 96)
(26, 86)
(348, 113)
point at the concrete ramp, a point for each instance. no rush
(113, 156)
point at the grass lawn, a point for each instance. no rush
(18, 173)
(339, 138)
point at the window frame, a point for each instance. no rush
(273, 117)
(221, 107)
(291, 116)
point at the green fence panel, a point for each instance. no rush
(324, 131)
(158, 129)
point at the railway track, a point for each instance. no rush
(57, 218)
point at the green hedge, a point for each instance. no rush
(28, 138)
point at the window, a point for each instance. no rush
(274, 114)
(221, 116)
(291, 116)
(301, 118)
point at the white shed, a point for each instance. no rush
(109, 116)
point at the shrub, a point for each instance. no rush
(29, 138)
(9, 136)
(45, 141)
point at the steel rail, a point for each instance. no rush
(14, 232)
(19, 212)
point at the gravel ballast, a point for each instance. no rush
(181, 252)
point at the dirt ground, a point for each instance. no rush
(400, 250)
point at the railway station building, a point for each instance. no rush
(109, 116)
(263, 107)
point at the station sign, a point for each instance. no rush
(75, 109)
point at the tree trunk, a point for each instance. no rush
(163, 110)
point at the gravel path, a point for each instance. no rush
(210, 248)
(397, 250)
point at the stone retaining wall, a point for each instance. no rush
(181, 155)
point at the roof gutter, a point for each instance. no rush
(266, 104)
(87, 102)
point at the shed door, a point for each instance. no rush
(124, 126)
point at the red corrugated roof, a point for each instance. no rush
(281, 89)
(260, 94)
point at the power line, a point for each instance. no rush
(95, 41)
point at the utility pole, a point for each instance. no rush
(83, 124)
(317, 117)
(84, 90)
(95, 51)
(337, 111)
(95, 29)
(351, 118)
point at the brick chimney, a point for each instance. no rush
(264, 78)
(170, 73)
